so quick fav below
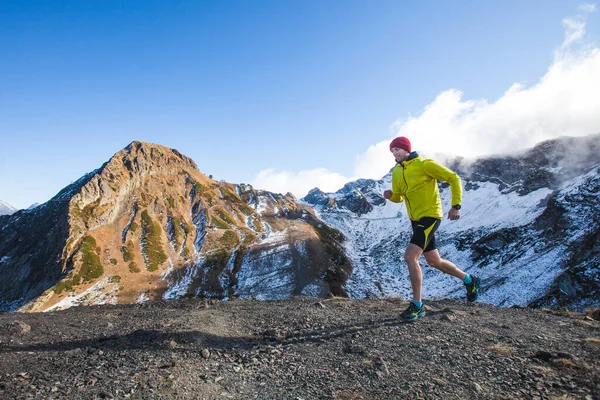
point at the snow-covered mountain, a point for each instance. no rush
(6, 209)
(530, 227)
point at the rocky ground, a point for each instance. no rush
(298, 349)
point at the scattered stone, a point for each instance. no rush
(19, 328)
(593, 314)
(205, 353)
(383, 368)
(543, 355)
(167, 364)
(74, 352)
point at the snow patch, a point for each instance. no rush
(143, 298)
(102, 292)
(181, 279)
(273, 237)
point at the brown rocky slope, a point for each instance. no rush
(148, 225)
(300, 348)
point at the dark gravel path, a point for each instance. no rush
(298, 349)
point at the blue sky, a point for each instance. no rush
(286, 95)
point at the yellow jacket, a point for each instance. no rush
(415, 180)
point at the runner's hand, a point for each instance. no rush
(453, 214)
(387, 194)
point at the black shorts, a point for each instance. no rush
(424, 233)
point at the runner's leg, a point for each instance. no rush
(433, 258)
(411, 256)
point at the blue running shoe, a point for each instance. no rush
(473, 288)
(413, 312)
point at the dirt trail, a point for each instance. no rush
(298, 349)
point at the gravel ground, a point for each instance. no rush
(299, 348)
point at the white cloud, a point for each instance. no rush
(375, 162)
(565, 101)
(574, 31)
(587, 7)
(299, 183)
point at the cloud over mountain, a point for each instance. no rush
(563, 102)
(299, 183)
(6, 209)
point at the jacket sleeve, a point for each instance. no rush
(442, 173)
(396, 196)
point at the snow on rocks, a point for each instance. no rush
(105, 291)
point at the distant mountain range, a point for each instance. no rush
(6, 209)
(148, 225)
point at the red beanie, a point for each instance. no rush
(401, 142)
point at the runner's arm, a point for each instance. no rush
(396, 197)
(442, 173)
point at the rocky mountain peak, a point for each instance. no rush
(141, 156)
(316, 197)
(358, 197)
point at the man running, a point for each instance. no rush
(414, 181)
